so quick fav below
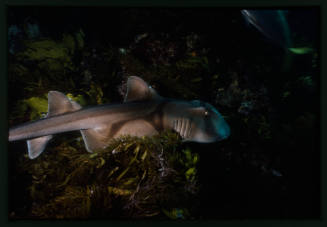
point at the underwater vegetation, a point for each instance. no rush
(132, 178)
(258, 172)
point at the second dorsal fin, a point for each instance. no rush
(58, 103)
(138, 89)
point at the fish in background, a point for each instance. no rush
(276, 27)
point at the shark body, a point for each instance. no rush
(143, 113)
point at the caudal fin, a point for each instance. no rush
(58, 103)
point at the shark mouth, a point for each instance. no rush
(183, 126)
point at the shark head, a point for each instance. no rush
(201, 122)
(195, 120)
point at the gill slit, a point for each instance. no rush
(183, 127)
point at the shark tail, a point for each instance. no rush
(58, 103)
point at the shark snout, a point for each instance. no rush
(211, 131)
(223, 130)
(208, 125)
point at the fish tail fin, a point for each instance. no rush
(58, 103)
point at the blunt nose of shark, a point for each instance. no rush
(223, 130)
(221, 127)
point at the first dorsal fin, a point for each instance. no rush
(138, 89)
(58, 103)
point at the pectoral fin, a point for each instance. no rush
(99, 138)
(94, 139)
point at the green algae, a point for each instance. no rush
(301, 50)
(79, 37)
(140, 177)
(95, 93)
(51, 55)
(38, 106)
